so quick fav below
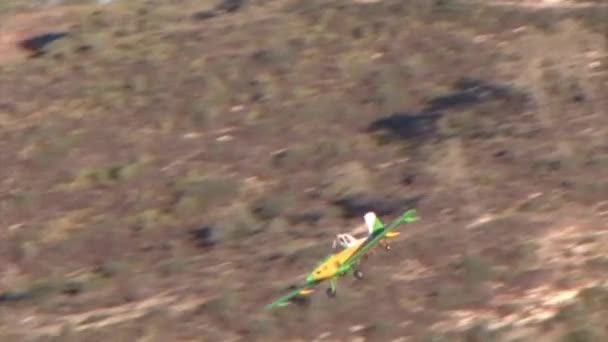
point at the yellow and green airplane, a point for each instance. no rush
(346, 261)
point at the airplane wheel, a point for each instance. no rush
(358, 274)
(331, 292)
(387, 247)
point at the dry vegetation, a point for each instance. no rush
(166, 173)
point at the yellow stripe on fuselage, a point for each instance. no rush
(344, 255)
(330, 267)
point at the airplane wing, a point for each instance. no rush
(408, 217)
(288, 298)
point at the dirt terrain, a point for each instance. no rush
(168, 168)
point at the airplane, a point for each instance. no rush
(346, 261)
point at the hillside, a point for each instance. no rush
(170, 167)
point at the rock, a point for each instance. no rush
(14, 296)
(205, 236)
(409, 178)
(38, 43)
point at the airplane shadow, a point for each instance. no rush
(406, 125)
(467, 92)
(357, 206)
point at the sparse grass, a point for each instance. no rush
(595, 298)
(346, 180)
(457, 296)
(110, 269)
(263, 328)
(172, 266)
(525, 256)
(302, 79)
(62, 227)
(240, 223)
(104, 176)
(58, 148)
(392, 91)
(573, 314)
(197, 193)
(151, 218)
(581, 335)
(600, 263)
(381, 329)
(477, 270)
(43, 290)
(432, 337)
(297, 251)
(270, 207)
(318, 154)
(220, 307)
(480, 333)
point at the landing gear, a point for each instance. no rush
(358, 274)
(331, 291)
(385, 245)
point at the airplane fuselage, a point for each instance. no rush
(331, 266)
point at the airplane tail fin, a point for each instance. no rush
(373, 222)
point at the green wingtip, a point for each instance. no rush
(410, 216)
(276, 305)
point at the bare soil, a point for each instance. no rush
(168, 169)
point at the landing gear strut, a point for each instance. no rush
(331, 291)
(386, 246)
